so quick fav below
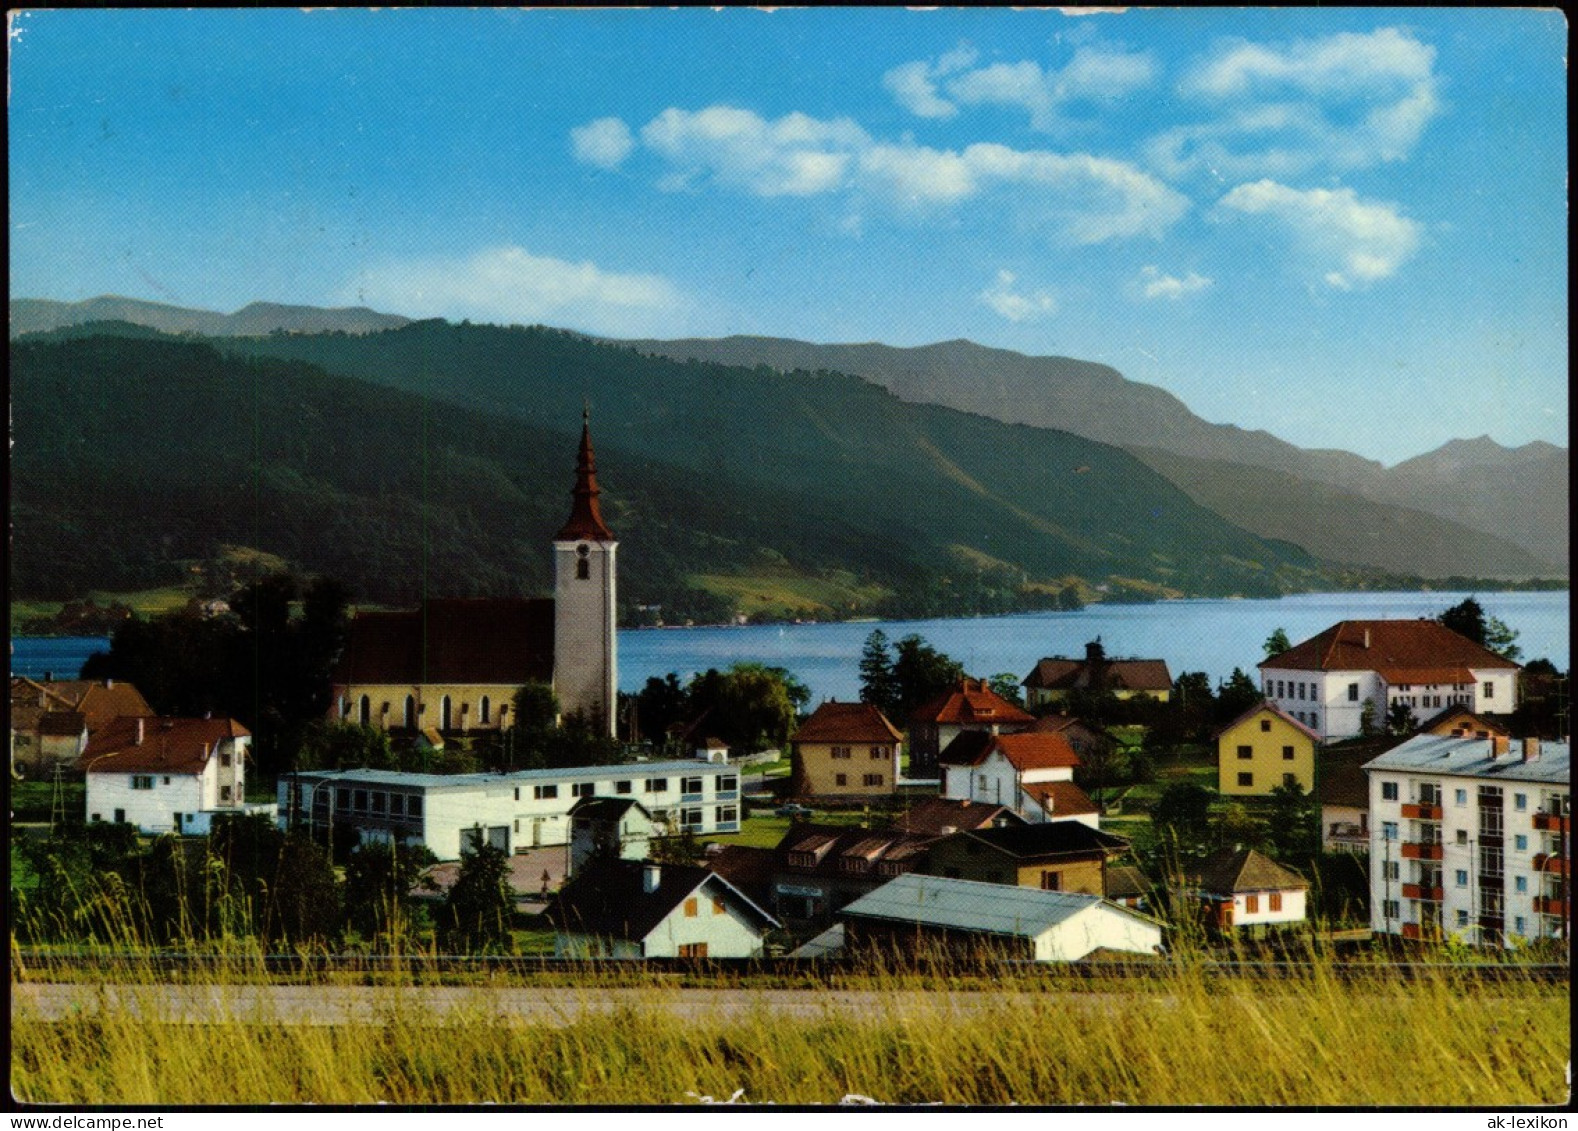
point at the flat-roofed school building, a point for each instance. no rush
(513, 812)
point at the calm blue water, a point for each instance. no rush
(1206, 635)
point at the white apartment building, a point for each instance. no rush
(1471, 837)
(513, 812)
(1326, 681)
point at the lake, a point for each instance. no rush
(1213, 636)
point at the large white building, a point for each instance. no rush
(514, 812)
(454, 665)
(1471, 837)
(166, 775)
(1326, 681)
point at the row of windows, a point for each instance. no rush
(1429, 793)
(877, 752)
(1249, 752)
(726, 783)
(1247, 779)
(1273, 902)
(867, 779)
(378, 802)
(413, 712)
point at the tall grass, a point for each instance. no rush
(932, 1034)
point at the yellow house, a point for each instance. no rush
(1263, 748)
(845, 750)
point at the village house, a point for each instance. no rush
(973, 708)
(52, 720)
(1343, 792)
(609, 828)
(1263, 748)
(1032, 773)
(1326, 681)
(845, 750)
(931, 916)
(1080, 735)
(1057, 856)
(635, 909)
(455, 665)
(1471, 837)
(167, 775)
(1242, 889)
(944, 816)
(1055, 678)
(1457, 721)
(513, 812)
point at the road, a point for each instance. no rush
(339, 1005)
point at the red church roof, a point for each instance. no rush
(586, 515)
(452, 640)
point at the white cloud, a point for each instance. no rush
(1015, 306)
(1093, 74)
(1153, 284)
(509, 284)
(796, 155)
(1354, 242)
(1348, 101)
(604, 143)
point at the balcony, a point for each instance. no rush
(1550, 905)
(1415, 850)
(1552, 822)
(726, 795)
(1422, 931)
(687, 798)
(1422, 811)
(1549, 864)
(1421, 891)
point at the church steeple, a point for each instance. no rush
(586, 516)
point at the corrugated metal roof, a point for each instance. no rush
(1470, 757)
(997, 909)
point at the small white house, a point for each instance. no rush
(166, 774)
(1241, 888)
(1031, 773)
(933, 912)
(635, 909)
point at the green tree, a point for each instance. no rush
(1237, 695)
(1277, 643)
(1295, 823)
(659, 705)
(1182, 815)
(752, 705)
(1468, 618)
(340, 745)
(1399, 718)
(1367, 717)
(1006, 685)
(878, 685)
(478, 909)
(1235, 827)
(381, 886)
(921, 673)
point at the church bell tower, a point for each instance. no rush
(585, 663)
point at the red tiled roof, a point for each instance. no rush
(1032, 750)
(931, 816)
(1400, 651)
(972, 702)
(178, 746)
(847, 722)
(1268, 707)
(1061, 798)
(1057, 673)
(100, 702)
(449, 640)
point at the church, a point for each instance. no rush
(454, 665)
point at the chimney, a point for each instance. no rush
(1367, 638)
(109, 685)
(948, 830)
(1094, 652)
(1531, 750)
(49, 677)
(1498, 746)
(651, 876)
(139, 730)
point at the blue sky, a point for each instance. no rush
(1347, 226)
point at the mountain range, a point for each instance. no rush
(860, 498)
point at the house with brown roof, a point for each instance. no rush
(167, 774)
(455, 665)
(1080, 735)
(1457, 721)
(1243, 888)
(845, 750)
(1343, 793)
(1326, 681)
(817, 869)
(972, 707)
(1031, 773)
(944, 816)
(52, 720)
(1057, 856)
(642, 909)
(1055, 678)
